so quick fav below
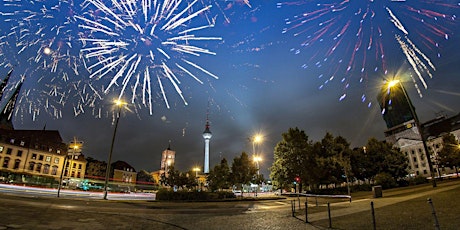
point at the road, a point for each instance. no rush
(49, 212)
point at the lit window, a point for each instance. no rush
(46, 169)
(48, 159)
(22, 143)
(56, 160)
(12, 141)
(1, 149)
(34, 156)
(54, 170)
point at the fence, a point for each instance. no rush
(300, 212)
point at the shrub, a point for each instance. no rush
(385, 180)
(418, 180)
(165, 194)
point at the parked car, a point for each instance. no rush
(237, 193)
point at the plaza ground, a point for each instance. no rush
(405, 208)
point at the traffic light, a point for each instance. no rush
(297, 179)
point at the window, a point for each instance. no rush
(38, 168)
(78, 174)
(56, 160)
(46, 169)
(1, 149)
(54, 170)
(79, 166)
(22, 143)
(424, 171)
(9, 151)
(415, 159)
(58, 151)
(19, 153)
(34, 156)
(16, 164)
(73, 174)
(31, 166)
(12, 141)
(48, 159)
(6, 161)
(40, 158)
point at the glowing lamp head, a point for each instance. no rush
(393, 83)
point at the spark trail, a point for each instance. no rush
(346, 39)
(39, 40)
(138, 44)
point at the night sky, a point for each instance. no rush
(308, 64)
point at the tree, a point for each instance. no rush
(95, 168)
(378, 157)
(219, 176)
(293, 157)
(449, 156)
(144, 176)
(243, 169)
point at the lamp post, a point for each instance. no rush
(418, 125)
(196, 170)
(74, 150)
(256, 158)
(119, 104)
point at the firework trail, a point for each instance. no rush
(364, 31)
(39, 39)
(138, 44)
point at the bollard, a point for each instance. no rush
(329, 214)
(298, 199)
(433, 211)
(293, 208)
(373, 215)
(306, 212)
(316, 198)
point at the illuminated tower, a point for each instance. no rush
(167, 159)
(207, 136)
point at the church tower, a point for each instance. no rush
(207, 136)
(6, 115)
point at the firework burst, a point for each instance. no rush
(40, 41)
(364, 31)
(139, 44)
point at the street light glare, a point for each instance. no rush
(257, 158)
(393, 83)
(119, 102)
(258, 138)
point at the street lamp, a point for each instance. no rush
(257, 159)
(75, 149)
(419, 127)
(196, 170)
(119, 103)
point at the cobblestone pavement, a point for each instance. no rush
(19, 212)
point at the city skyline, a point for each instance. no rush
(269, 81)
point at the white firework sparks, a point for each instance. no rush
(130, 42)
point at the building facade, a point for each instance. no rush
(403, 132)
(37, 152)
